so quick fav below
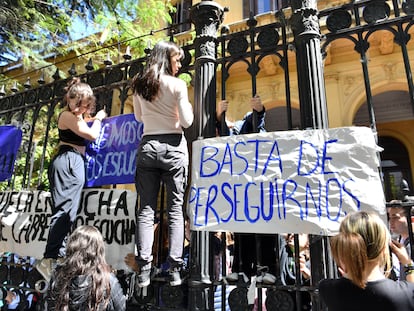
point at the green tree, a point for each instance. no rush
(33, 30)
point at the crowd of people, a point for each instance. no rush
(74, 265)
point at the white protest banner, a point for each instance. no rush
(25, 218)
(277, 182)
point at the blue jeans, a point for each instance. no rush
(67, 178)
(161, 159)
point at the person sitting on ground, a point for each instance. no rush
(361, 251)
(84, 280)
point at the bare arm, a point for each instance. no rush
(221, 107)
(399, 250)
(76, 124)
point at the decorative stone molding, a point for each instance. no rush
(386, 43)
(390, 70)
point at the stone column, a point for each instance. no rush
(207, 17)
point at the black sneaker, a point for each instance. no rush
(175, 277)
(144, 278)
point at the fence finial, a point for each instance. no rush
(89, 65)
(41, 80)
(2, 91)
(108, 61)
(27, 85)
(56, 75)
(72, 70)
(127, 55)
(14, 88)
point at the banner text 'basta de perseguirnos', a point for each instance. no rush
(292, 181)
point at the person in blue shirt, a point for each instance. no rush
(244, 126)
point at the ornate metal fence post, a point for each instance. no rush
(313, 107)
(312, 96)
(207, 17)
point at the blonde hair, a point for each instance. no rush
(363, 237)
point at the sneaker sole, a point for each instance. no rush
(144, 284)
(176, 283)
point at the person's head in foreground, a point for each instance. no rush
(84, 264)
(362, 244)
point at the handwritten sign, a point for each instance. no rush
(111, 158)
(278, 182)
(25, 218)
(10, 140)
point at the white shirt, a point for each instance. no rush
(169, 112)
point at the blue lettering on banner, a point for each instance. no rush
(232, 153)
(319, 161)
(311, 187)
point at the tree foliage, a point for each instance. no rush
(31, 31)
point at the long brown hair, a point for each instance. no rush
(81, 91)
(147, 84)
(85, 255)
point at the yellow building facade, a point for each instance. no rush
(344, 78)
(345, 88)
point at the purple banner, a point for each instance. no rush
(10, 140)
(111, 158)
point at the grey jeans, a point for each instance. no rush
(67, 178)
(161, 159)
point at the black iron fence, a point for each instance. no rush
(209, 58)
